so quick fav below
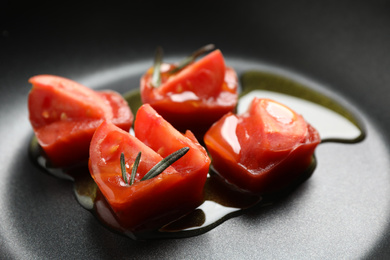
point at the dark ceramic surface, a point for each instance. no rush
(341, 49)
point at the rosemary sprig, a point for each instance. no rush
(156, 170)
(156, 77)
(123, 168)
(135, 167)
(133, 171)
(186, 61)
(165, 163)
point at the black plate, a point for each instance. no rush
(340, 49)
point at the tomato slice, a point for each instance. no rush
(264, 149)
(162, 137)
(64, 115)
(152, 203)
(194, 97)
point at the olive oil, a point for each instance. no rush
(221, 200)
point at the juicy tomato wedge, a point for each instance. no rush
(150, 203)
(263, 150)
(153, 130)
(64, 115)
(196, 96)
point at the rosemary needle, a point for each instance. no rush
(135, 167)
(123, 168)
(165, 163)
(156, 77)
(186, 61)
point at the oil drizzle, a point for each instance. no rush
(221, 201)
(332, 120)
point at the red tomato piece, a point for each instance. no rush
(162, 137)
(263, 150)
(195, 97)
(64, 115)
(151, 203)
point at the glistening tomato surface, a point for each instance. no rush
(64, 115)
(162, 137)
(151, 203)
(194, 97)
(263, 150)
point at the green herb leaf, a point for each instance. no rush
(184, 63)
(135, 167)
(123, 168)
(156, 77)
(165, 163)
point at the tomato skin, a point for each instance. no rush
(195, 97)
(264, 150)
(149, 204)
(64, 115)
(163, 138)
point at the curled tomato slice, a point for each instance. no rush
(196, 96)
(150, 203)
(64, 115)
(264, 149)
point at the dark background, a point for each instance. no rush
(330, 40)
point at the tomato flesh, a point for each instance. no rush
(162, 137)
(195, 97)
(264, 149)
(64, 115)
(148, 204)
